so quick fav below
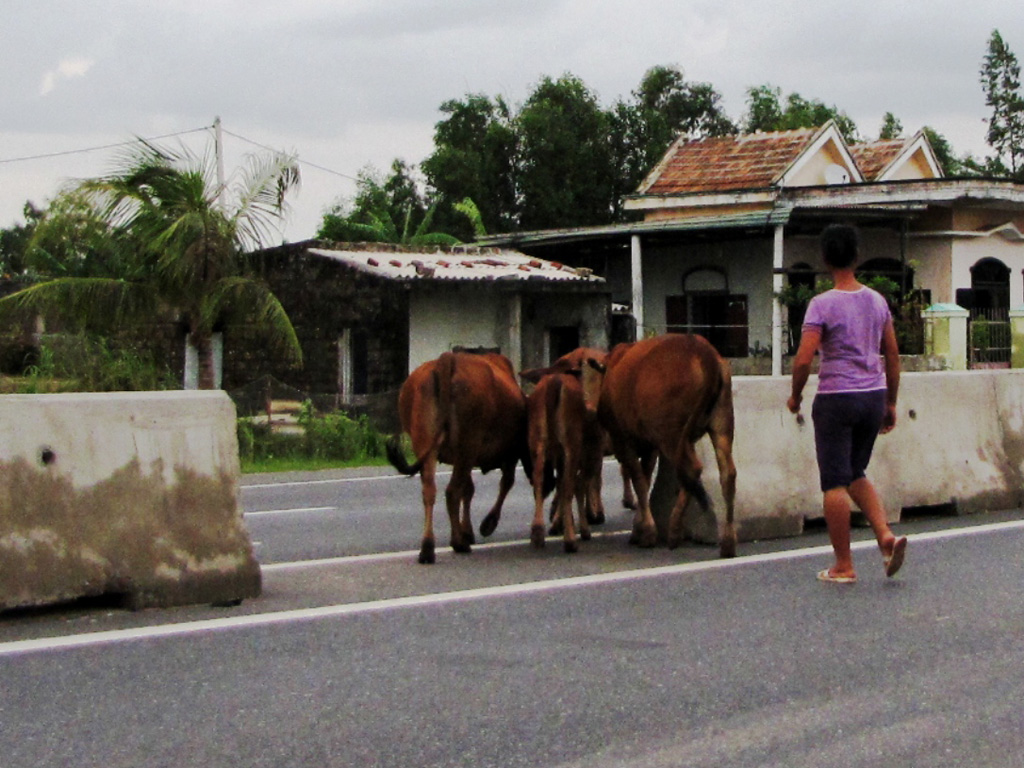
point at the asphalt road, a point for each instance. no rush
(514, 657)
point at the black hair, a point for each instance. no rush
(839, 245)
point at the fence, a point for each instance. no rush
(989, 338)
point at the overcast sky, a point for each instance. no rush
(352, 83)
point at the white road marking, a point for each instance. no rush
(373, 606)
(295, 510)
(334, 480)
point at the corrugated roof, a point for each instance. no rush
(455, 264)
(718, 164)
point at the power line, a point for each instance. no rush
(300, 160)
(101, 147)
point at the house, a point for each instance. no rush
(728, 222)
(368, 314)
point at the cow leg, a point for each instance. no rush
(537, 526)
(466, 522)
(429, 490)
(508, 477)
(566, 493)
(584, 504)
(721, 433)
(688, 469)
(628, 497)
(453, 499)
(645, 533)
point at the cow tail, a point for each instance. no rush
(442, 382)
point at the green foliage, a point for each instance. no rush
(83, 363)
(325, 438)
(892, 128)
(385, 210)
(162, 233)
(1000, 80)
(765, 112)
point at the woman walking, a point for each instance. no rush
(858, 383)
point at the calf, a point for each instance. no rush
(563, 433)
(661, 395)
(466, 410)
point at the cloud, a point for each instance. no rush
(67, 69)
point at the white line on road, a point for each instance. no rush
(373, 606)
(295, 510)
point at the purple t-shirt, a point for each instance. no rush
(851, 325)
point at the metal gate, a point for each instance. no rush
(988, 338)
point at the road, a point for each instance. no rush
(513, 657)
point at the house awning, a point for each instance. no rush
(758, 221)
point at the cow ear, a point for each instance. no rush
(532, 375)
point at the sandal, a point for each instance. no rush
(894, 561)
(827, 575)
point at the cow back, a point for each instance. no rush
(656, 390)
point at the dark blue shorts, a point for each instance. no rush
(845, 427)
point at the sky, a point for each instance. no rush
(349, 85)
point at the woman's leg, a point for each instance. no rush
(837, 518)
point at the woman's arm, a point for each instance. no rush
(810, 340)
(891, 353)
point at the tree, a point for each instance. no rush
(664, 107)
(565, 176)
(766, 113)
(892, 128)
(475, 155)
(385, 210)
(185, 240)
(14, 242)
(1000, 80)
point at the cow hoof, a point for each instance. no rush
(644, 539)
(585, 535)
(489, 524)
(674, 542)
(469, 536)
(596, 518)
(555, 529)
(462, 548)
(537, 536)
(427, 553)
(571, 547)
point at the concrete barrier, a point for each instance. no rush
(959, 440)
(132, 494)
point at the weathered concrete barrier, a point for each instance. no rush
(959, 440)
(133, 494)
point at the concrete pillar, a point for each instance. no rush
(947, 334)
(1017, 337)
(777, 275)
(637, 275)
(515, 331)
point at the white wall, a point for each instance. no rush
(466, 319)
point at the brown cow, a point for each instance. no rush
(563, 434)
(466, 410)
(661, 395)
(597, 444)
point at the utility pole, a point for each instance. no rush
(218, 153)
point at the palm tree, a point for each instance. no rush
(187, 236)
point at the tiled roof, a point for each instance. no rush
(875, 156)
(467, 263)
(717, 164)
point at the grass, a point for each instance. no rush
(306, 464)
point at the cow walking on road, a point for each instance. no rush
(661, 395)
(564, 435)
(466, 410)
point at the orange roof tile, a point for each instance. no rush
(726, 163)
(873, 157)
